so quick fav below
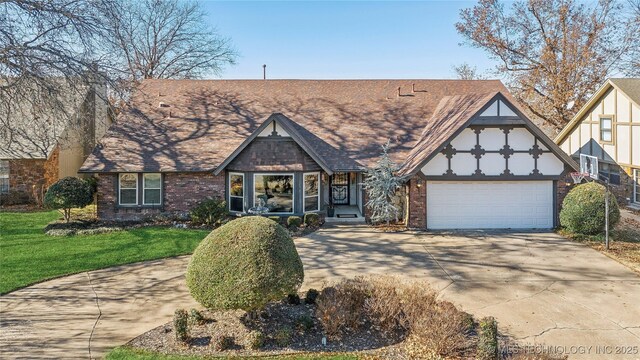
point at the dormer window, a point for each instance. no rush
(606, 129)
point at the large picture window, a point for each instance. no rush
(128, 189)
(236, 192)
(152, 189)
(4, 176)
(311, 192)
(276, 190)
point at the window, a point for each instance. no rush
(152, 189)
(236, 192)
(4, 176)
(636, 185)
(311, 192)
(128, 189)
(606, 128)
(609, 172)
(276, 190)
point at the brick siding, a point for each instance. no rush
(417, 203)
(181, 192)
(33, 175)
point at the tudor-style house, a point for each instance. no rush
(607, 127)
(472, 158)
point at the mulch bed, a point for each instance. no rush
(275, 317)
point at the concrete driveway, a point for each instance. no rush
(540, 287)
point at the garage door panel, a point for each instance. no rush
(490, 204)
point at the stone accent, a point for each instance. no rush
(266, 154)
(181, 192)
(417, 203)
(33, 176)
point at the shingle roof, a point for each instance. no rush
(347, 120)
(451, 114)
(629, 86)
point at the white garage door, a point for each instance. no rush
(489, 204)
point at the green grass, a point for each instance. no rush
(126, 353)
(28, 256)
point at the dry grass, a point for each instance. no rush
(406, 311)
(624, 245)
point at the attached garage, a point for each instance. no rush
(490, 204)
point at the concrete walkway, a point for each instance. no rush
(83, 316)
(540, 287)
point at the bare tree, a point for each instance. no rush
(465, 71)
(555, 53)
(47, 53)
(164, 39)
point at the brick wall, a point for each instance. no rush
(181, 192)
(265, 154)
(417, 203)
(31, 175)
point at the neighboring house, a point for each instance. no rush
(472, 158)
(608, 127)
(41, 144)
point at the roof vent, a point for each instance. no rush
(163, 105)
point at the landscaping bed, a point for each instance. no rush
(369, 318)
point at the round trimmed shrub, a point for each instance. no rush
(67, 193)
(583, 209)
(244, 264)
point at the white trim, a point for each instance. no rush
(293, 193)
(120, 189)
(636, 186)
(244, 191)
(144, 187)
(304, 191)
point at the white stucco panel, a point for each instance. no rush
(624, 154)
(609, 103)
(521, 139)
(635, 147)
(269, 129)
(436, 166)
(575, 141)
(565, 146)
(493, 164)
(549, 164)
(521, 164)
(465, 141)
(492, 110)
(464, 164)
(505, 110)
(585, 134)
(492, 139)
(623, 108)
(635, 113)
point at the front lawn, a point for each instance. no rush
(126, 353)
(29, 256)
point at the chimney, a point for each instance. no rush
(413, 87)
(264, 72)
(398, 91)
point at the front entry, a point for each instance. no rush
(340, 188)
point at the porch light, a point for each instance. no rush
(419, 183)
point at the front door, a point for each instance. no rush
(340, 188)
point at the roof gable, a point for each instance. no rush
(629, 86)
(287, 125)
(456, 113)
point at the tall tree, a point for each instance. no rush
(465, 71)
(555, 53)
(164, 39)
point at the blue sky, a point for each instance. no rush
(344, 40)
